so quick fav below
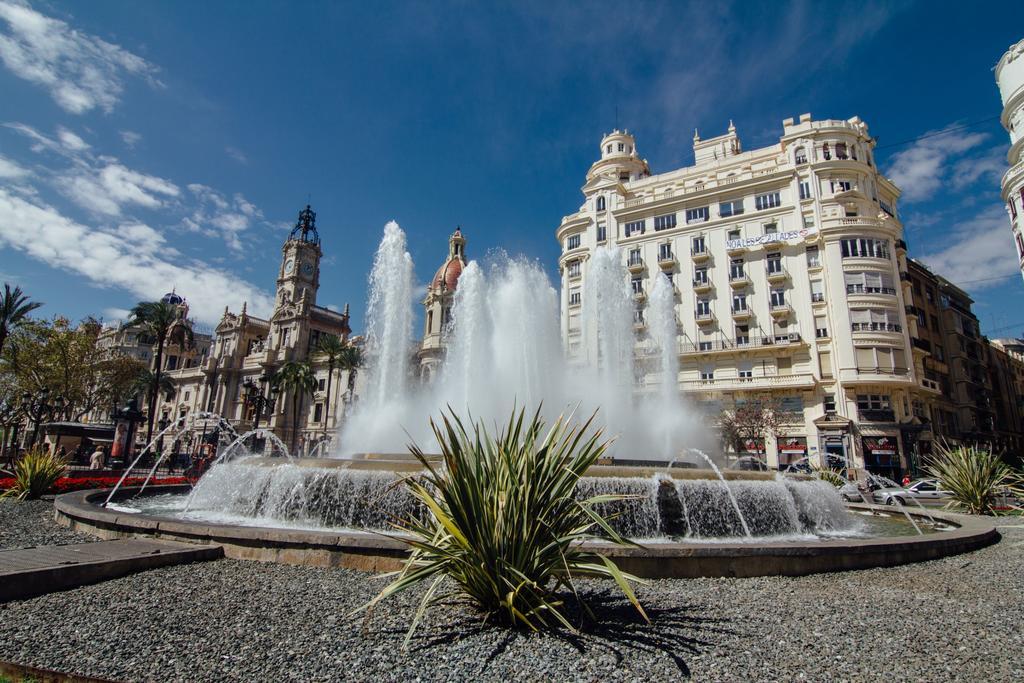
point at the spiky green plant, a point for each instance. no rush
(503, 521)
(831, 476)
(975, 477)
(35, 474)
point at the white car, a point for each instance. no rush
(922, 490)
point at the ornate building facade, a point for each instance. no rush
(790, 275)
(247, 350)
(437, 307)
(1010, 79)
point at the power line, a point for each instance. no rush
(938, 133)
(986, 279)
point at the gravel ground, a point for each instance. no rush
(951, 619)
(24, 524)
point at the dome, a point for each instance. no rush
(447, 276)
(172, 298)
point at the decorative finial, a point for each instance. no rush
(244, 305)
(346, 310)
(732, 128)
(305, 227)
(696, 135)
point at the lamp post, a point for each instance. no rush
(36, 408)
(126, 417)
(257, 398)
(162, 424)
(9, 418)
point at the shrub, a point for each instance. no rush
(831, 476)
(975, 477)
(35, 474)
(504, 523)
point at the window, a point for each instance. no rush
(634, 228)
(572, 242)
(930, 293)
(739, 302)
(808, 220)
(621, 146)
(841, 150)
(608, 149)
(318, 412)
(829, 401)
(574, 298)
(320, 384)
(745, 371)
(574, 268)
(733, 208)
(700, 276)
(1020, 245)
(817, 290)
(778, 298)
(736, 269)
(697, 245)
(940, 355)
(187, 395)
(602, 232)
(705, 346)
(664, 252)
(703, 308)
(601, 203)
(635, 258)
(707, 374)
(935, 323)
(637, 283)
(742, 335)
(825, 152)
(638, 316)
(922, 319)
(771, 228)
(872, 402)
(800, 155)
(875, 320)
(668, 221)
(813, 257)
(698, 215)
(820, 327)
(733, 235)
(869, 282)
(863, 247)
(887, 208)
(767, 201)
(841, 186)
(805, 189)
(774, 260)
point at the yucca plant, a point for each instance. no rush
(830, 476)
(35, 474)
(504, 524)
(975, 478)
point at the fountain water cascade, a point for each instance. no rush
(505, 348)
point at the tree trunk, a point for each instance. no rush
(295, 422)
(156, 387)
(327, 401)
(3, 337)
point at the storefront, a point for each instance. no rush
(882, 455)
(792, 449)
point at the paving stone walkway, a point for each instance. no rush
(28, 572)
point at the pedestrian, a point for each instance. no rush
(96, 459)
(906, 480)
(62, 453)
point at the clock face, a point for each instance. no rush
(307, 268)
(289, 266)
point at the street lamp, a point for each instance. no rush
(257, 399)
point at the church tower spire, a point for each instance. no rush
(299, 277)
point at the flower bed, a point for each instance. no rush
(66, 484)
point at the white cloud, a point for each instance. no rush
(922, 168)
(71, 141)
(237, 154)
(81, 71)
(106, 190)
(112, 316)
(10, 170)
(217, 216)
(981, 251)
(991, 165)
(130, 138)
(119, 258)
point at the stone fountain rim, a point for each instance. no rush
(379, 552)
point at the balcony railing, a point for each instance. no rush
(878, 415)
(922, 344)
(740, 343)
(862, 289)
(879, 370)
(876, 327)
(817, 297)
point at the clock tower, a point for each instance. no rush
(299, 277)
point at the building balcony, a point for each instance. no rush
(880, 415)
(861, 289)
(699, 255)
(777, 275)
(748, 383)
(877, 327)
(704, 318)
(931, 385)
(735, 248)
(639, 296)
(817, 298)
(921, 344)
(745, 344)
(741, 313)
(737, 281)
(781, 310)
(702, 286)
(635, 265)
(666, 261)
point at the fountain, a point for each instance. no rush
(505, 349)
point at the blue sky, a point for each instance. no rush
(145, 145)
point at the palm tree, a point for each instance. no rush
(145, 382)
(351, 360)
(298, 378)
(332, 347)
(14, 310)
(163, 322)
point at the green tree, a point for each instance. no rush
(296, 377)
(332, 348)
(351, 360)
(14, 309)
(164, 323)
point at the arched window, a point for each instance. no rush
(600, 203)
(800, 155)
(825, 153)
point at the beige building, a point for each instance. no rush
(788, 265)
(437, 307)
(246, 350)
(1010, 79)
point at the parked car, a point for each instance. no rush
(922, 490)
(851, 492)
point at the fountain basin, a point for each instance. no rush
(370, 551)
